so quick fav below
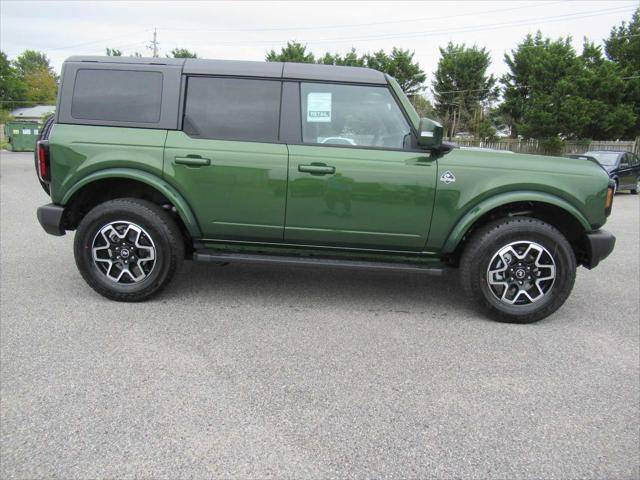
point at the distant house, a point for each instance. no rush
(32, 113)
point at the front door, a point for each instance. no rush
(354, 181)
(227, 162)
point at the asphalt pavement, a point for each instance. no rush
(260, 371)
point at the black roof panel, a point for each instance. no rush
(233, 67)
(297, 71)
(130, 60)
(314, 71)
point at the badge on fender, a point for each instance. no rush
(447, 177)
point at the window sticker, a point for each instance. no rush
(319, 107)
(26, 131)
(15, 131)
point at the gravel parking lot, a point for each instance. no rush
(255, 371)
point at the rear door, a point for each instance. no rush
(227, 161)
(627, 171)
(354, 180)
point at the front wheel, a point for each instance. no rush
(128, 249)
(520, 269)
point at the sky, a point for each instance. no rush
(247, 30)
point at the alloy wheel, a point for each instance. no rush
(124, 252)
(521, 273)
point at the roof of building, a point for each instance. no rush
(33, 112)
(294, 71)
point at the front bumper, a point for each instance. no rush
(599, 245)
(50, 217)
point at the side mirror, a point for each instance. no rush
(430, 134)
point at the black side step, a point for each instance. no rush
(213, 256)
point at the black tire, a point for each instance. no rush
(634, 191)
(488, 240)
(157, 224)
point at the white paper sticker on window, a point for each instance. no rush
(319, 107)
(35, 131)
(15, 131)
(26, 131)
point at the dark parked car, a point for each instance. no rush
(622, 167)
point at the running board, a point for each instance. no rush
(213, 256)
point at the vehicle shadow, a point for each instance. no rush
(362, 290)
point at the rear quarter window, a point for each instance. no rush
(117, 95)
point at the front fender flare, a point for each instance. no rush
(178, 201)
(469, 218)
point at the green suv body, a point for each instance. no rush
(157, 160)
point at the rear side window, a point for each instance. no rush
(232, 109)
(117, 96)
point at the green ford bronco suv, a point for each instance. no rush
(152, 161)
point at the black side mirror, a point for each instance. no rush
(430, 134)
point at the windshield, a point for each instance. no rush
(605, 158)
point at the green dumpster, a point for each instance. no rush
(22, 136)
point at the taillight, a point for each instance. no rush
(44, 172)
(609, 200)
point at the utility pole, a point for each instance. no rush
(154, 43)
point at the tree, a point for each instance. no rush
(623, 48)
(114, 52)
(40, 87)
(486, 131)
(31, 61)
(400, 65)
(351, 59)
(293, 52)
(462, 89)
(37, 76)
(11, 88)
(540, 72)
(182, 53)
(423, 106)
(550, 91)
(601, 89)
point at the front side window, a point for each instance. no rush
(117, 95)
(352, 115)
(232, 109)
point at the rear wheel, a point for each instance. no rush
(128, 249)
(634, 191)
(520, 269)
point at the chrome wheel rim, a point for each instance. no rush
(521, 273)
(123, 252)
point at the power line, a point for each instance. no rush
(369, 24)
(69, 47)
(477, 28)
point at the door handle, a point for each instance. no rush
(317, 169)
(193, 161)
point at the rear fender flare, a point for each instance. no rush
(182, 207)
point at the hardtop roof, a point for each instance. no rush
(241, 68)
